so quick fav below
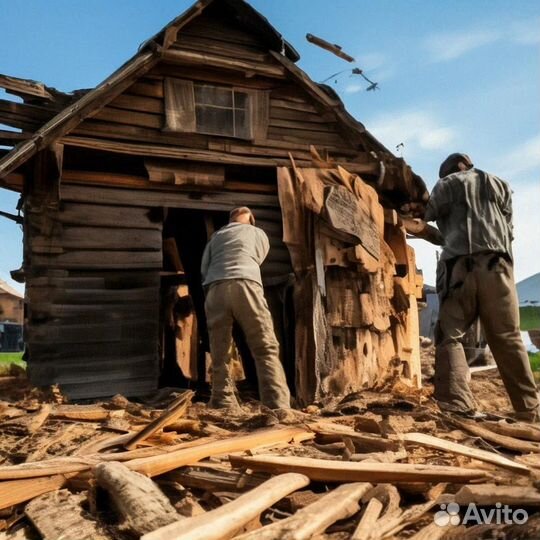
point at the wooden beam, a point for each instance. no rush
(422, 439)
(184, 57)
(331, 47)
(323, 470)
(174, 152)
(226, 520)
(26, 87)
(315, 518)
(491, 494)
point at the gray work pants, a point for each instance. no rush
(480, 285)
(243, 301)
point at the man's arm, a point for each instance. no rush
(262, 245)
(507, 211)
(439, 201)
(205, 262)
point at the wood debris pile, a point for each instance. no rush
(369, 466)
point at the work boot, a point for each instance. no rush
(289, 416)
(531, 417)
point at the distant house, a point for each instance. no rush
(11, 318)
(11, 304)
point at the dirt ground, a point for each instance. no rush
(40, 426)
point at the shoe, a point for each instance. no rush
(531, 417)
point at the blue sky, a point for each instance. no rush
(456, 75)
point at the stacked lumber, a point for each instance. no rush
(173, 469)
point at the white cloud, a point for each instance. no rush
(526, 32)
(416, 129)
(452, 45)
(523, 160)
(446, 46)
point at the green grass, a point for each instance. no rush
(12, 358)
(534, 358)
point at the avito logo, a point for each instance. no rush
(449, 514)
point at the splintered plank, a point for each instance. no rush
(60, 515)
(313, 519)
(422, 439)
(141, 504)
(323, 470)
(225, 521)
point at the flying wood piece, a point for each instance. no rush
(324, 470)
(422, 439)
(315, 518)
(141, 504)
(226, 520)
(333, 48)
(172, 413)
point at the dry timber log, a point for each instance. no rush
(315, 518)
(60, 515)
(330, 431)
(225, 521)
(160, 464)
(368, 519)
(518, 430)
(505, 441)
(139, 501)
(18, 491)
(82, 413)
(491, 494)
(346, 471)
(172, 413)
(423, 439)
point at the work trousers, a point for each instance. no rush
(480, 285)
(243, 301)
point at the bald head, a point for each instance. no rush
(242, 214)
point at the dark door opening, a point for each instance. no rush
(184, 336)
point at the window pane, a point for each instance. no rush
(242, 124)
(214, 121)
(213, 95)
(240, 100)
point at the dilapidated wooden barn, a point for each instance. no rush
(123, 184)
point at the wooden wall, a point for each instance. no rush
(93, 295)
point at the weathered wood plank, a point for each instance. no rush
(219, 200)
(60, 515)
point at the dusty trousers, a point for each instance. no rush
(243, 301)
(480, 285)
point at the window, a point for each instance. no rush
(215, 110)
(222, 111)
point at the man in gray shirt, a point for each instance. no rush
(473, 210)
(231, 277)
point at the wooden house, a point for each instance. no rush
(123, 184)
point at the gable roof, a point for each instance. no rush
(151, 51)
